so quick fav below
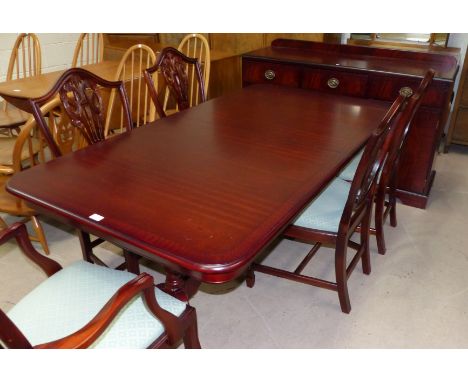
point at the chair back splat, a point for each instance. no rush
(80, 95)
(176, 72)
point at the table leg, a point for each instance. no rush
(180, 286)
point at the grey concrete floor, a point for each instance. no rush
(415, 297)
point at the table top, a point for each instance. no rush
(37, 86)
(205, 190)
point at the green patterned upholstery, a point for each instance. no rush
(69, 299)
(349, 171)
(324, 213)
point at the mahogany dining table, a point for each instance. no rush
(203, 191)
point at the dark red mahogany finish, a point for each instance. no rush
(203, 191)
(175, 328)
(374, 73)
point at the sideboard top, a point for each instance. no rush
(411, 63)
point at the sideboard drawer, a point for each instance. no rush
(335, 81)
(264, 72)
(387, 89)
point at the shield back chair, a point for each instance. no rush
(388, 181)
(86, 305)
(196, 45)
(181, 75)
(79, 92)
(30, 150)
(130, 70)
(332, 217)
(89, 49)
(25, 61)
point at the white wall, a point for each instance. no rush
(57, 50)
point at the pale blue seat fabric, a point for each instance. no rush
(349, 171)
(69, 299)
(324, 213)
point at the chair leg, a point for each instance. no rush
(365, 233)
(379, 223)
(40, 234)
(191, 340)
(86, 248)
(393, 219)
(250, 277)
(131, 261)
(341, 278)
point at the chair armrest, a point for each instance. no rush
(10, 336)
(19, 232)
(87, 335)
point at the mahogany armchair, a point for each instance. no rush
(181, 75)
(86, 305)
(79, 92)
(387, 183)
(333, 216)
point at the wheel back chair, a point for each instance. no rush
(25, 61)
(388, 181)
(29, 150)
(79, 93)
(130, 71)
(86, 305)
(89, 49)
(181, 75)
(332, 217)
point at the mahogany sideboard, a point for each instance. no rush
(368, 72)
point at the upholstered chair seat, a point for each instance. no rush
(349, 171)
(324, 213)
(69, 299)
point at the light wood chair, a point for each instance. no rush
(333, 216)
(25, 61)
(387, 183)
(89, 49)
(130, 71)
(181, 75)
(196, 45)
(79, 93)
(85, 305)
(30, 149)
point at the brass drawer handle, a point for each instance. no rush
(333, 82)
(406, 91)
(270, 74)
